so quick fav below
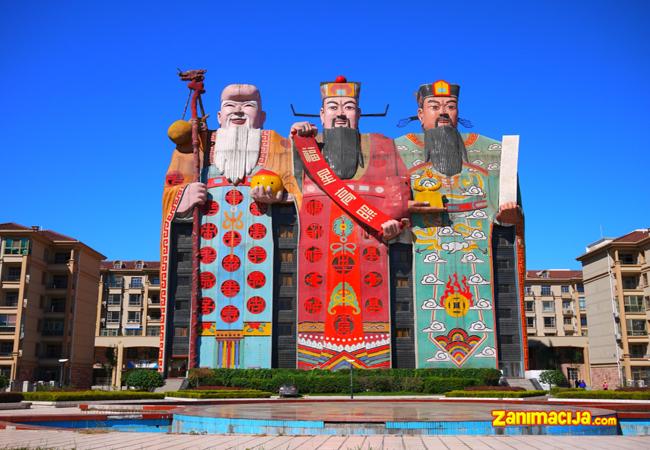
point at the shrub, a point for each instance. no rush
(10, 397)
(632, 389)
(621, 395)
(144, 379)
(555, 389)
(220, 394)
(553, 378)
(63, 396)
(4, 381)
(411, 384)
(495, 388)
(439, 385)
(495, 394)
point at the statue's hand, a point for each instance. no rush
(305, 129)
(195, 194)
(259, 194)
(390, 229)
(509, 213)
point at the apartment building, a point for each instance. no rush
(127, 327)
(556, 322)
(48, 299)
(615, 272)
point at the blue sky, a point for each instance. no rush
(88, 90)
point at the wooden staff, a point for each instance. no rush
(195, 84)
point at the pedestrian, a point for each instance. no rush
(605, 385)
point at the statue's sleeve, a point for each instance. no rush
(280, 161)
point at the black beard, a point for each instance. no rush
(342, 151)
(445, 149)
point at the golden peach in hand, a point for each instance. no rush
(267, 179)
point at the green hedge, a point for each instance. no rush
(554, 390)
(11, 397)
(323, 381)
(220, 394)
(62, 396)
(621, 395)
(495, 394)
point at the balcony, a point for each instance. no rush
(137, 285)
(7, 329)
(153, 304)
(568, 311)
(569, 327)
(57, 285)
(115, 285)
(52, 333)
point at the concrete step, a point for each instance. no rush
(174, 384)
(526, 383)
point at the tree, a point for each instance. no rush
(4, 381)
(553, 378)
(144, 379)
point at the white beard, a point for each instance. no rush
(236, 151)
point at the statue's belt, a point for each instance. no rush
(323, 175)
(467, 206)
(223, 181)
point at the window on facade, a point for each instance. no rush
(113, 317)
(286, 256)
(582, 303)
(154, 280)
(285, 304)
(636, 327)
(117, 264)
(546, 290)
(114, 300)
(633, 304)
(286, 280)
(135, 299)
(139, 265)
(59, 282)
(57, 304)
(17, 246)
(627, 258)
(530, 306)
(7, 323)
(13, 273)
(133, 316)
(630, 282)
(285, 231)
(564, 289)
(136, 282)
(153, 331)
(548, 306)
(154, 315)
(285, 329)
(10, 299)
(641, 373)
(503, 264)
(108, 332)
(530, 322)
(155, 299)
(549, 322)
(580, 287)
(180, 331)
(528, 290)
(61, 257)
(583, 320)
(53, 351)
(566, 305)
(132, 332)
(568, 321)
(52, 327)
(402, 282)
(116, 282)
(638, 350)
(6, 348)
(403, 332)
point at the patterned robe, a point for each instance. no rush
(452, 257)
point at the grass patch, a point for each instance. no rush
(220, 393)
(615, 395)
(63, 396)
(495, 394)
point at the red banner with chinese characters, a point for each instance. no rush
(334, 187)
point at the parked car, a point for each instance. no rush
(289, 390)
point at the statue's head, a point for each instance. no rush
(438, 104)
(340, 107)
(241, 106)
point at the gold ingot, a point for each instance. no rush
(180, 132)
(434, 198)
(266, 178)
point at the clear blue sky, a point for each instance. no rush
(88, 90)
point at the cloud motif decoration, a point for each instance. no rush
(477, 278)
(477, 214)
(473, 150)
(430, 279)
(482, 303)
(478, 162)
(402, 148)
(453, 247)
(487, 352)
(474, 190)
(476, 235)
(428, 183)
(417, 162)
(493, 166)
(430, 304)
(495, 147)
(439, 356)
(435, 327)
(479, 326)
(433, 257)
(471, 258)
(447, 231)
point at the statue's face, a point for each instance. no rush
(340, 112)
(239, 114)
(438, 112)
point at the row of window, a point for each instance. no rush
(150, 331)
(134, 299)
(19, 246)
(549, 322)
(132, 316)
(135, 283)
(545, 289)
(549, 306)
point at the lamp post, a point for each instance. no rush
(351, 374)
(62, 362)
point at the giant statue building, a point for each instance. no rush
(332, 247)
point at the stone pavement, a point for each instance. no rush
(46, 439)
